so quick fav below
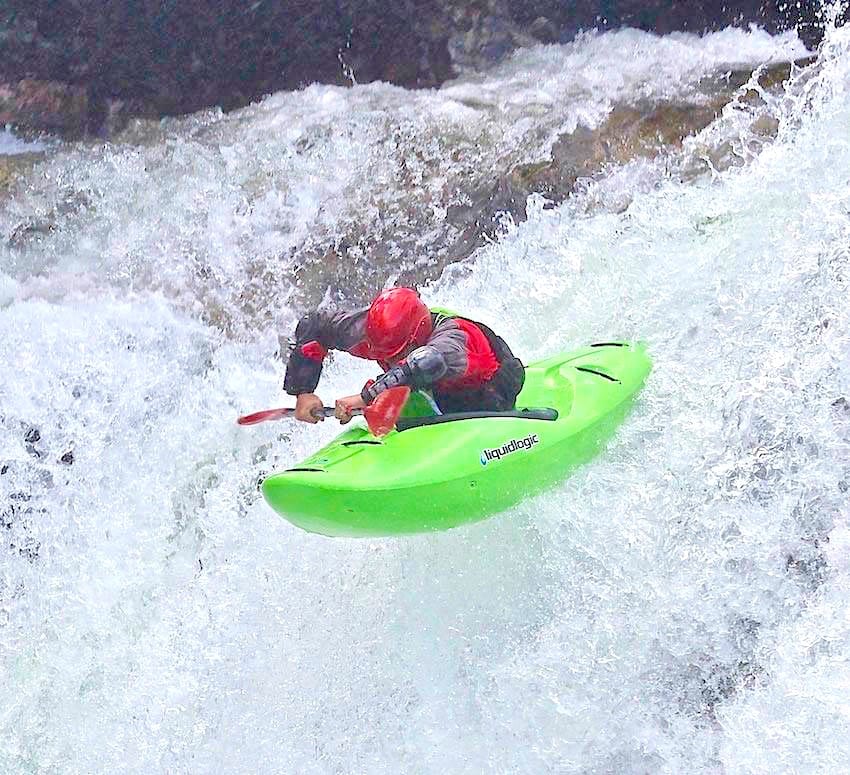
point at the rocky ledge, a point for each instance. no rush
(79, 67)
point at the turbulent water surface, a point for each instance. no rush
(10, 144)
(678, 605)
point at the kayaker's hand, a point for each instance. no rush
(344, 407)
(305, 405)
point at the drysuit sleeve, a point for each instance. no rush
(316, 334)
(443, 357)
(452, 343)
(423, 367)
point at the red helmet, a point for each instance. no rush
(396, 319)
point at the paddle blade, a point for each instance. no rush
(263, 416)
(382, 413)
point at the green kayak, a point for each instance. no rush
(434, 473)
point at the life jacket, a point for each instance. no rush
(499, 392)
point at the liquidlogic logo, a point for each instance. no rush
(508, 448)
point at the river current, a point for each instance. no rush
(677, 605)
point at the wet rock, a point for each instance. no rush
(88, 65)
(7, 175)
(67, 458)
(51, 106)
(109, 118)
(544, 30)
(484, 33)
(664, 16)
(474, 215)
(181, 57)
(12, 168)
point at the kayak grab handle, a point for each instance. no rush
(542, 413)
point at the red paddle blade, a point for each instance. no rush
(266, 414)
(382, 413)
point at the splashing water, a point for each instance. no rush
(678, 605)
(11, 144)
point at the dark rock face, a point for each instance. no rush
(663, 16)
(155, 57)
(178, 57)
(49, 105)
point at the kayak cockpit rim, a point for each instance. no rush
(540, 413)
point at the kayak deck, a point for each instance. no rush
(434, 473)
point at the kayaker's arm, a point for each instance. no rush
(316, 334)
(423, 367)
(444, 357)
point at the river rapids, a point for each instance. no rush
(680, 604)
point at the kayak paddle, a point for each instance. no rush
(282, 414)
(380, 415)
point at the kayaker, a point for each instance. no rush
(464, 365)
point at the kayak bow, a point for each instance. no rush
(434, 473)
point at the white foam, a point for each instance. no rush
(655, 613)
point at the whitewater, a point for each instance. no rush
(677, 605)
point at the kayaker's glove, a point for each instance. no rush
(423, 367)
